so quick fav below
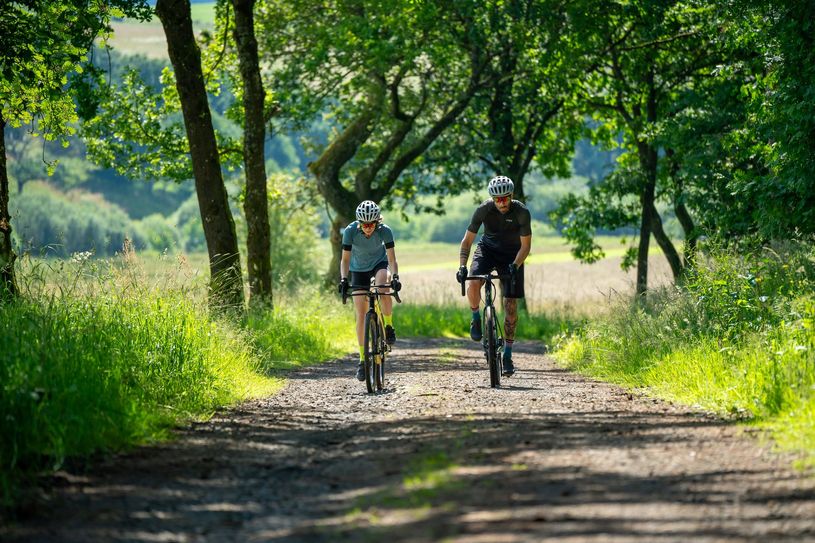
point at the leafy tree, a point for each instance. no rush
(59, 224)
(21, 159)
(708, 145)
(43, 52)
(139, 129)
(293, 204)
(519, 122)
(656, 51)
(781, 114)
(389, 76)
(239, 62)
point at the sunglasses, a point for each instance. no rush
(368, 224)
(501, 199)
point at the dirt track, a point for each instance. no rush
(439, 456)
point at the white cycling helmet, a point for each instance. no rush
(367, 211)
(501, 185)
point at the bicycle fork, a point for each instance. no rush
(380, 319)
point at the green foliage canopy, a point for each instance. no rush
(44, 49)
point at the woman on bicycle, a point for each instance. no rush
(368, 251)
(504, 246)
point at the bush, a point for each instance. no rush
(296, 256)
(69, 223)
(187, 222)
(158, 233)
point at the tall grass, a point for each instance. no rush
(453, 321)
(303, 329)
(98, 356)
(738, 338)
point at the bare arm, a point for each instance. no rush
(345, 264)
(394, 266)
(526, 246)
(466, 245)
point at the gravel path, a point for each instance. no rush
(438, 457)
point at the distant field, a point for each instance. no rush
(147, 39)
(419, 256)
(554, 280)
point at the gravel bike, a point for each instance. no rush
(493, 337)
(376, 348)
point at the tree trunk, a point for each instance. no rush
(646, 200)
(335, 236)
(652, 222)
(682, 213)
(226, 282)
(256, 203)
(689, 228)
(648, 162)
(648, 158)
(8, 284)
(326, 170)
(666, 245)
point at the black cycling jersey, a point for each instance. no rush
(502, 231)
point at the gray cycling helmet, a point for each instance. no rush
(367, 211)
(501, 185)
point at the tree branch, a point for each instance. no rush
(659, 41)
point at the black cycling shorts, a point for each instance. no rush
(363, 279)
(485, 261)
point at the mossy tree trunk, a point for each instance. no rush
(226, 282)
(8, 283)
(256, 203)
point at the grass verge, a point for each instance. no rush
(737, 339)
(454, 322)
(107, 360)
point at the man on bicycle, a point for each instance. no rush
(504, 246)
(368, 251)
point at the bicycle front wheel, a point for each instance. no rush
(491, 333)
(372, 340)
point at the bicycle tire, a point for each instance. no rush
(492, 347)
(371, 348)
(380, 361)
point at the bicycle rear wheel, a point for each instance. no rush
(372, 341)
(492, 347)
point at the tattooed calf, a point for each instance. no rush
(511, 320)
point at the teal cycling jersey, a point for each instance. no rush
(366, 252)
